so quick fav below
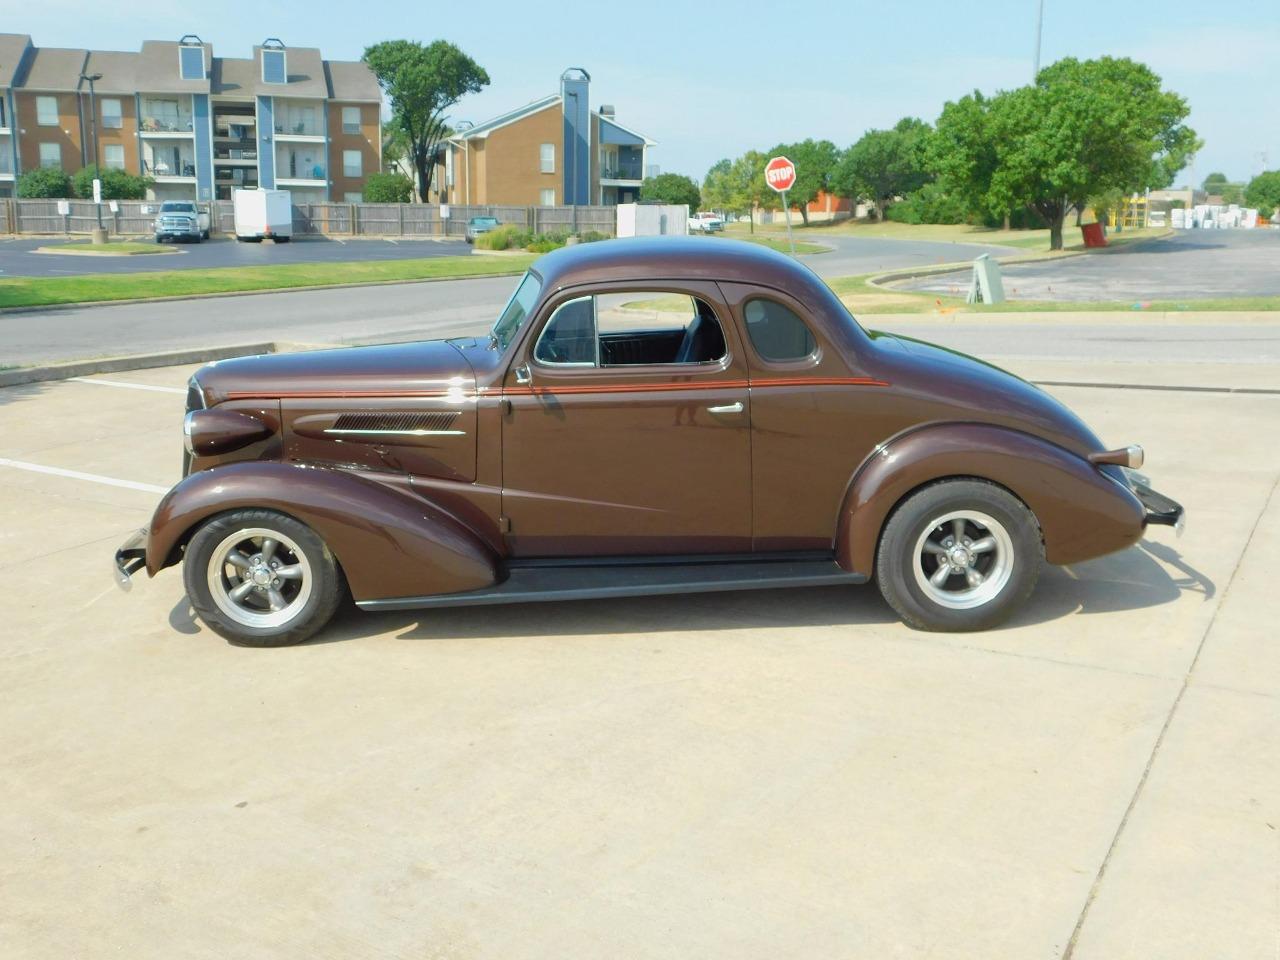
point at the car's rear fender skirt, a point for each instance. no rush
(389, 543)
(1082, 513)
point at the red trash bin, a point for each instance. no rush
(1093, 234)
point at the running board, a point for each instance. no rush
(541, 583)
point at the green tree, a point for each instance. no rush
(1263, 192)
(422, 83)
(1083, 129)
(886, 164)
(815, 161)
(388, 188)
(1214, 182)
(394, 145)
(44, 183)
(1232, 193)
(747, 189)
(671, 188)
(717, 188)
(962, 153)
(116, 184)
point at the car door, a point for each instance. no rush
(627, 426)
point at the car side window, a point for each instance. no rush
(638, 327)
(776, 332)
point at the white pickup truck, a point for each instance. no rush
(181, 220)
(705, 223)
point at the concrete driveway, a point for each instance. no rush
(1190, 265)
(742, 775)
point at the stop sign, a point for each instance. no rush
(780, 174)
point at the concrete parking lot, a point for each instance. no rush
(19, 259)
(744, 775)
(1190, 265)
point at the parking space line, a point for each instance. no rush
(131, 386)
(77, 475)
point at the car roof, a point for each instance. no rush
(673, 258)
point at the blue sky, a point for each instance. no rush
(710, 78)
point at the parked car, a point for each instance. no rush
(705, 223)
(181, 220)
(479, 225)
(646, 416)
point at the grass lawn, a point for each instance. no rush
(863, 298)
(114, 248)
(939, 233)
(773, 242)
(39, 291)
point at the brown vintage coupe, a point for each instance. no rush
(646, 416)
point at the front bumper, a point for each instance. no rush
(1159, 509)
(130, 558)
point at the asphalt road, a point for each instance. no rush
(17, 258)
(1191, 265)
(460, 307)
(853, 256)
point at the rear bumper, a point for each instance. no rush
(1160, 510)
(131, 557)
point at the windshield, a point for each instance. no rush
(173, 207)
(516, 311)
(484, 221)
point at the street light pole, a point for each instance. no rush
(1039, 34)
(97, 169)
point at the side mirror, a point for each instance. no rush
(523, 376)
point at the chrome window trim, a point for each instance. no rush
(399, 433)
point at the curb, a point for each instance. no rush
(82, 304)
(141, 361)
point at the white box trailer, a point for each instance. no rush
(263, 214)
(653, 219)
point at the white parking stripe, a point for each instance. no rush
(77, 475)
(131, 386)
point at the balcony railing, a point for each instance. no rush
(621, 171)
(298, 128)
(297, 170)
(184, 168)
(168, 124)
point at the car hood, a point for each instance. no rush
(951, 385)
(405, 369)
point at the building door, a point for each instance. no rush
(628, 427)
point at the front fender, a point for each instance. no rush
(390, 543)
(1082, 513)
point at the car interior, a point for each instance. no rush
(631, 329)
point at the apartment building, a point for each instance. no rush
(199, 125)
(553, 151)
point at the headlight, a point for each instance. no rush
(209, 433)
(186, 432)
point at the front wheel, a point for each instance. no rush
(261, 578)
(959, 555)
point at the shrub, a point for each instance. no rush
(505, 237)
(44, 183)
(388, 188)
(592, 236)
(116, 184)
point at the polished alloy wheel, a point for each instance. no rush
(963, 559)
(259, 577)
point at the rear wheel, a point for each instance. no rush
(959, 555)
(261, 578)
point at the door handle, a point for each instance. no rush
(523, 375)
(735, 407)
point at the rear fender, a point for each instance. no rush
(390, 543)
(1082, 513)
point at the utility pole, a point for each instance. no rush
(1039, 32)
(99, 235)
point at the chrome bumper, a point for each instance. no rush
(130, 558)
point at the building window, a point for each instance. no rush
(352, 163)
(3, 119)
(351, 120)
(191, 62)
(50, 155)
(47, 111)
(113, 156)
(353, 197)
(547, 198)
(273, 67)
(547, 158)
(112, 118)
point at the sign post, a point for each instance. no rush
(780, 175)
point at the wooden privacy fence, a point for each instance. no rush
(132, 217)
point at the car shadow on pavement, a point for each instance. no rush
(1129, 580)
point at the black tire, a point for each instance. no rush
(980, 588)
(299, 547)
(204, 235)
